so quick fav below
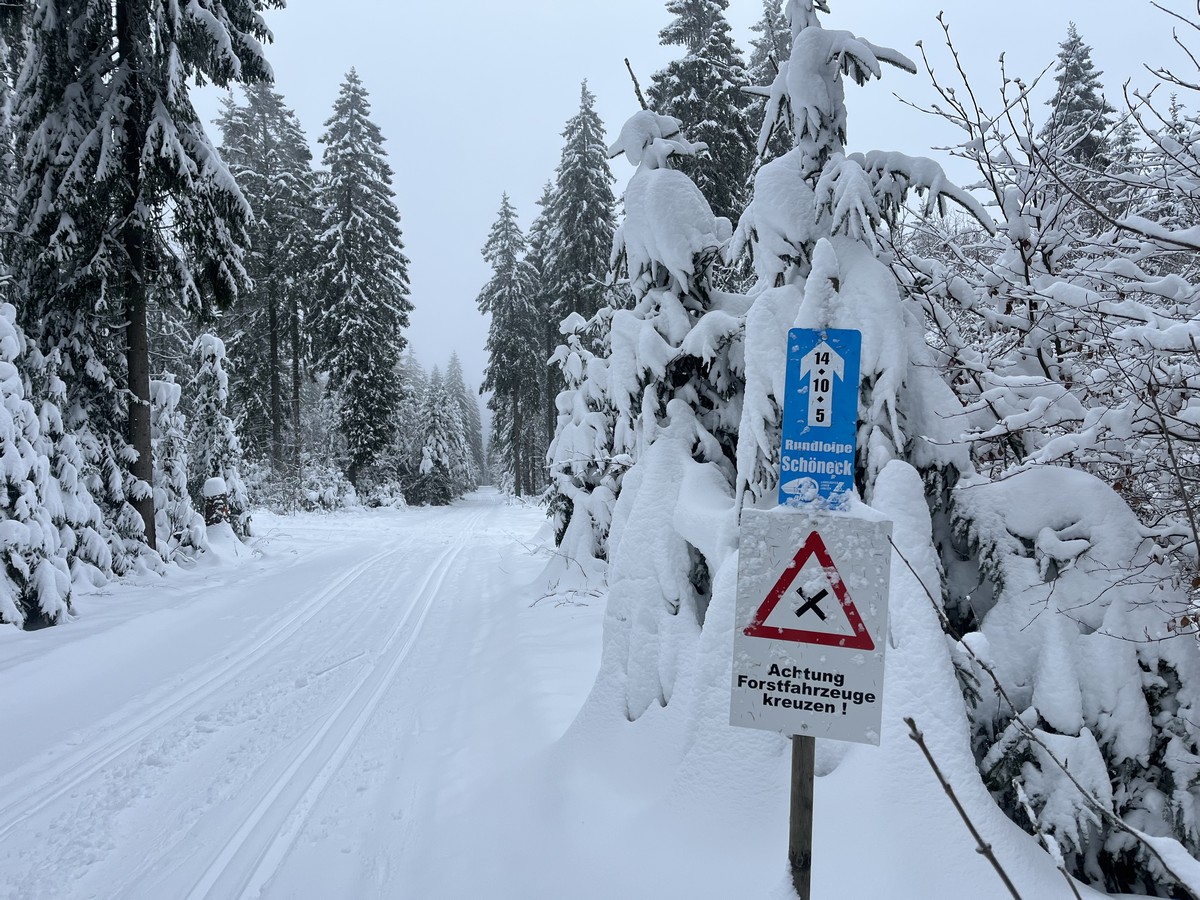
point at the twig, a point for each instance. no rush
(982, 846)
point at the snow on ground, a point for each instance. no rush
(378, 704)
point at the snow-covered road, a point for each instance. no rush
(287, 723)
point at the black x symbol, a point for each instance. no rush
(812, 603)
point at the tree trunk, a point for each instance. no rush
(276, 382)
(550, 382)
(133, 240)
(514, 441)
(297, 457)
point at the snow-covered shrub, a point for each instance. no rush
(35, 585)
(85, 536)
(585, 477)
(216, 451)
(1070, 599)
(324, 486)
(180, 528)
(1069, 335)
(389, 493)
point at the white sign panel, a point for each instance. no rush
(811, 624)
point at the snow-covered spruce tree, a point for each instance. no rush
(111, 143)
(363, 296)
(216, 450)
(35, 586)
(1070, 338)
(410, 427)
(584, 475)
(267, 152)
(84, 535)
(13, 20)
(537, 255)
(443, 470)
(1080, 119)
(514, 370)
(674, 373)
(703, 90)
(180, 528)
(468, 412)
(768, 51)
(813, 227)
(580, 219)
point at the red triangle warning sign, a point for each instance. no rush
(831, 621)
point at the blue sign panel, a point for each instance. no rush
(820, 417)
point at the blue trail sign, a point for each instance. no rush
(820, 417)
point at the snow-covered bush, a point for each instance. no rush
(1069, 336)
(1083, 685)
(585, 477)
(324, 486)
(216, 451)
(180, 528)
(35, 586)
(85, 536)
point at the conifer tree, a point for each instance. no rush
(216, 450)
(580, 220)
(180, 528)
(514, 345)
(35, 583)
(585, 475)
(542, 299)
(468, 412)
(13, 18)
(267, 152)
(113, 145)
(443, 472)
(410, 436)
(363, 303)
(769, 51)
(1080, 118)
(703, 90)
(85, 536)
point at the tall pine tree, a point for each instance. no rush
(113, 150)
(363, 302)
(514, 370)
(769, 51)
(468, 411)
(1080, 118)
(703, 90)
(580, 222)
(267, 152)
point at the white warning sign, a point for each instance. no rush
(811, 624)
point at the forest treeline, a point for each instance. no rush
(195, 327)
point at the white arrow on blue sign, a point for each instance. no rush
(820, 417)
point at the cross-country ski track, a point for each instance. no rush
(281, 724)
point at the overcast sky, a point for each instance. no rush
(472, 96)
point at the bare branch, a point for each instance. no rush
(981, 846)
